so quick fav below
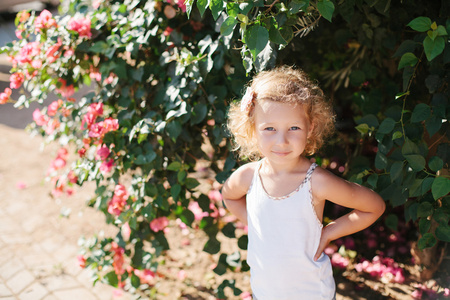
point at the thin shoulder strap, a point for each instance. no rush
(310, 171)
(255, 175)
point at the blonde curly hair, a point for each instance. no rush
(285, 85)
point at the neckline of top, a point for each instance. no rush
(305, 180)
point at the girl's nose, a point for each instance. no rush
(282, 138)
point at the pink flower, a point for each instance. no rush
(44, 21)
(96, 3)
(21, 185)
(82, 26)
(51, 53)
(27, 53)
(4, 97)
(146, 276)
(58, 163)
(182, 275)
(53, 107)
(72, 177)
(119, 200)
(339, 261)
(197, 211)
(215, 195)
(159, 224)
(111, 124)
(103, 152)
(168, 31)
(97, 130)
(246, 296)
(65, 90)
(118, 259)
(96, 109)
(126, 231)
(39, 118)
(88, 119)
(16, 80)
(106, 166)
(81, 261)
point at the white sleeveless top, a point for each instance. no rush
(284, 234)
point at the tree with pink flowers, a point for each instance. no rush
(159, 76)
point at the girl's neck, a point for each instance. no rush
(287, 168)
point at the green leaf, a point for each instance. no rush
(440, 187)
(416, 161)
(426, 241)
(397, 135)
(426, 184)
(99, 47)
(362, 128)
(175, 191)
(391, 222)
(409, 148)
(420, 24)
(326, 9)
(216, 7)
(380, 161)
(424, 225)
(229, 230)
(425, 210)
(386, 126)
(198, 113)
(275, 35)
(228, 26)
(443, 233)
(420, 113)
(256, 38)
(441, 30)
(191, 183)
(243, 242)
(433, 47)
(212, 246)
(202, 5)
(396, 170)
(174, 166)
(433, 125)
(435, 163)
(408, 59)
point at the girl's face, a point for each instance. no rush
(281, 130)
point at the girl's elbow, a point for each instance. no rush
(381, 207)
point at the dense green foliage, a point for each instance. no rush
(164, 78)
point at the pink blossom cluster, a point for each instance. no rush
(16, 80)
(118, 259)
(28, 54)
(159, 224)
(383, 268)
(339, 261)
(179, 3)
(44, 21)
(119, 200)
(424, 292)
(5, 96)
(146, 276)
(64, 89)
(99, 129)
(61, 184)
(82, 26)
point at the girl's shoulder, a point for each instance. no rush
(324, 182)
(246, 172)
(240, 181)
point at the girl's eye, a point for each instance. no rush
(295, 128)
(269, 129)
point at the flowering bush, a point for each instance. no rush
(157, 77)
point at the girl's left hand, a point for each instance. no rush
(324, 241)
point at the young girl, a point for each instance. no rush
(281, 118)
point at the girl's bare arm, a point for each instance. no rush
(367, 206)
(235, 189)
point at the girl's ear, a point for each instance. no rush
(311, 128)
